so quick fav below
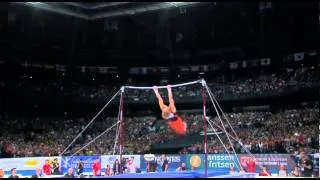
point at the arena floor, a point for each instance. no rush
(172, 174)
(190, 174)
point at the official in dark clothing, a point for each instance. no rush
(70, 173)
(116, 167)
(80, 166)
(56, 167)
(165, 163)
(13, 173)
(306, 165)
(152, 166)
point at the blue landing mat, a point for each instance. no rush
(188, 174)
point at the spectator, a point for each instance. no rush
(296, 172)
(182, 167)
(264, 172)
(1, 173)
(108, 171)
(96, 167)
(242, 171)
(46, 169)
(251, 165)
(70, 173)
(282, 172)
(13, 173)
(131, 167)
(37, 174)
(232, 170)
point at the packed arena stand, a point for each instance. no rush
(258, 85)
(261, 132)
(267, 125)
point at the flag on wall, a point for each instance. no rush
(233, 65)
(244, 64)
(265, 61)
(298, 56)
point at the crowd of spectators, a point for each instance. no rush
(236, 87)
(285, 131)
(264, 132)
(265, 83)
(260, 132)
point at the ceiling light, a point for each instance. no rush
(176, 4)
(34, 3)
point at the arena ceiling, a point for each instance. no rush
(99, 10)
(220, 31)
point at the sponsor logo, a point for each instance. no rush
(195, 161)
(31, 163)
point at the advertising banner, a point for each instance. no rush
(215, 161)
(174, 161)
(219, 162)
(23, 164)
(271, 161)
(71, 162)
(109, 159)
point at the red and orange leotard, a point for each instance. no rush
(177, 124)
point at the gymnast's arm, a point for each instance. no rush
(171, 100)
(160, 100)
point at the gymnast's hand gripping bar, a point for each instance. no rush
(163, 87)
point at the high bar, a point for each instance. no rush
(163, 87)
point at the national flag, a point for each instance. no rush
(298, 56)
(265, 61)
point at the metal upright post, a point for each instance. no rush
(121, 127)
(203, 82)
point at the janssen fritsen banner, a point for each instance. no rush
(215, 161)
(224, 161)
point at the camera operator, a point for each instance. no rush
(305, 164)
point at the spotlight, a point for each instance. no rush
(34, 3)
(176, 4)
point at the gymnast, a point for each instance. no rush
(174, 121)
